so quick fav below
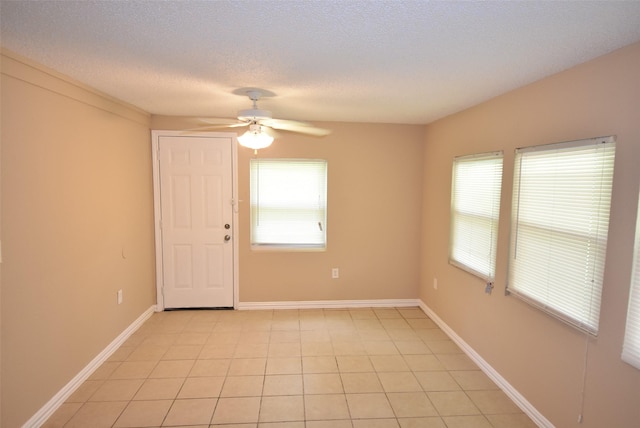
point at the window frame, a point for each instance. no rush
(593, 270)
(463, 258)
(261, 244)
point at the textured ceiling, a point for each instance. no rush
(356, 61)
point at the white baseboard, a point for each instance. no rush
(329, 304)
(502, 383)
(52, 405)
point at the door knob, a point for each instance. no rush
(227, 238)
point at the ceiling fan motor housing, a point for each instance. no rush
(254, 114)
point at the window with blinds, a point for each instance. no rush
(475, 207)
(631, 347)
(288, 203)
(559, 227)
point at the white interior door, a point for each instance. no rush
(196, 210)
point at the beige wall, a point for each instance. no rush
(77, 225)
(541, 357)
(374, 203)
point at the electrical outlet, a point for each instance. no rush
(119, 294)
(335, 273)
(435, 283)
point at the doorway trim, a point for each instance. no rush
(155, 150)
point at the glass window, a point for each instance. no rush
(475, 208)
(289, 203)
(559, 227)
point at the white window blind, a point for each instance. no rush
(631, 347)
(475, 208)
(288, 203)
(559, 227)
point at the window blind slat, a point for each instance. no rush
(631, 347)
(475, 207)
(559, 227)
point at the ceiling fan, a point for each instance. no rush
(261, 122)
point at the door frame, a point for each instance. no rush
(157, 211)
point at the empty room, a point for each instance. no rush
(310, 214)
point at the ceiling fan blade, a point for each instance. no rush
(295, 126)
(219, 121)
(209, 127)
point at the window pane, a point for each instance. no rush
(288, 202)
(475, 207)
(559, 227)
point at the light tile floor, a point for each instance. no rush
(356, 368)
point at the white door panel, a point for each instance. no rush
(196, 202)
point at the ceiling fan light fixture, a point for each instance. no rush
(255, 138)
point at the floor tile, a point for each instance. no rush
(62, 415)
(97, 415)
(453, 403)
(182, 352)
(514, 420)
(445, 346)
(411, 404)
(217, 367)
(412, 347)
(133, 370)
(84, 391)
(389, 363)
(375, 423)
(117, 390)
(242, 386)
(348, 347)
(286, 336)
(282, 408)
(217, 351)
(284, 350)
(325, 407)
(251, 350)
(105, 370)
(399, 382)
(319, 365)
(354, 363)
(172, 369)
(148, 352)
(236, 410)
(428, 422)
(381, 347)
(144, 413)
(190, 412)
(361, 382)
(330, 424)
(419, 363)
(284, 365)
(323, 383)
(282, 385)
(493, 402)
(273, 425)
(437, 381)
(456, 362)
(477, 421)
(470, 380)
(158, 389)
(366, 406)
(247, 366)
(317, 349)
(201, 387)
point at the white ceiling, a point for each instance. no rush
(334, 60)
